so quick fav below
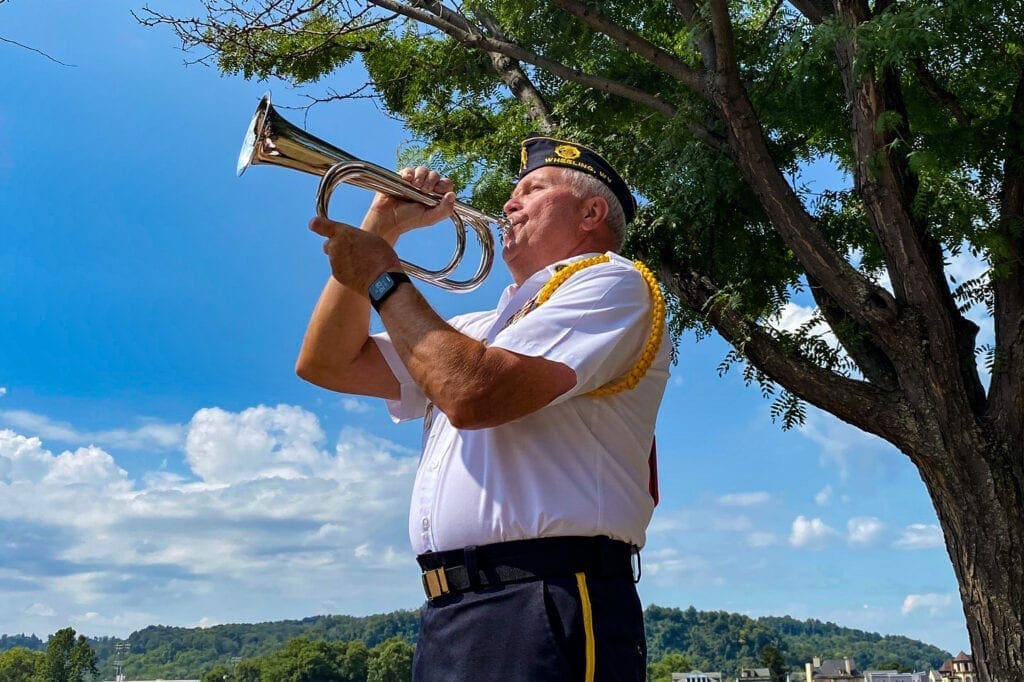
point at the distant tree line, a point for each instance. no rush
(727, 642)
(379, 647)
(304, 660)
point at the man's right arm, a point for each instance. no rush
(337, 352)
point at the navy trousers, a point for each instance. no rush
(567, 629)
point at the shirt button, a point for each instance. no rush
(436, 465)
(426, 523)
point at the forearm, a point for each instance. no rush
(473, 385)
(337, 352)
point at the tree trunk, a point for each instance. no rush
(978, 495)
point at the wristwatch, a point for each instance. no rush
(384, 286)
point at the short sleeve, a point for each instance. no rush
(412, 403)
(595, 323)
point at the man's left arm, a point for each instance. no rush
(476, 386)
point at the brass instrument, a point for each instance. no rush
(270, 139)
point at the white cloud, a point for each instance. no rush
(673, 564)
(759, 539)
(793, 316)
(152, 435)
(205, 622)
(355, 406)
(732, 524)
(824, 496)
(260, 442)
(38, 609)
(266, 507)
(3, 391)
(934, 604)
(920, 536)
(123, 621)
(810, 533)
(846, 447)
(864, 530)
(744, 499)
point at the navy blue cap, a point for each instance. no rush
(539, 151)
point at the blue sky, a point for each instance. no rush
(161, 463)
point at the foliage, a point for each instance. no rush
(19, 664)
(773, 659)
(716, 640)
(68, 659)
(170, 653)
(347, 648)
(662, 669)
(390, 662)
(24, 641)
(304, 660)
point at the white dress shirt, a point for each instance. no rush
(578, 466)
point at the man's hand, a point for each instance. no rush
(357, 257)
(390, 217)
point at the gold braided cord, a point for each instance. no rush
(643, 363)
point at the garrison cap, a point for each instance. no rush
(539, 151)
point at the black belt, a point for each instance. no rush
(460, 570)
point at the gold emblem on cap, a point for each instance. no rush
(567, 151)
(523, 159)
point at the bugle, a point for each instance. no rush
(270, 139)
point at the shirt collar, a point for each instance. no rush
(538, 279)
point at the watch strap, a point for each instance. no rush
(393, 279)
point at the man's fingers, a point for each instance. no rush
(444, 209)
(322, 226)
(325, 227)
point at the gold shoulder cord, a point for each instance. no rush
(643, 363)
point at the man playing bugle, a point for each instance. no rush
(532, 494)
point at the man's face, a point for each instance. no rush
(543, 219)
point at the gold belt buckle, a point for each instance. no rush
(435, 583)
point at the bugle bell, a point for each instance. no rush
(270, 139)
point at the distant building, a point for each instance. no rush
(832, 670)
(959, 669)
(696, 676)
(893, 676)
(755, 675)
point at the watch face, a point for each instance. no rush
(380, 286)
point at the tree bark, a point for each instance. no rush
(978, 497)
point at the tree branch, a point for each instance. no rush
(871, 360)
(637, 44)
(32, 49)
(519, 84)
(857, 402)
(938, 93)
(866, 302)
(691, 14)
(913, 257)
(492, 44)
(1007, 392)
(660, 58)
(248, 31)
(816, 11)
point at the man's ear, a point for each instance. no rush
(595, 212)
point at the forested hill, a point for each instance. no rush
(720, 641)
(713, 640)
